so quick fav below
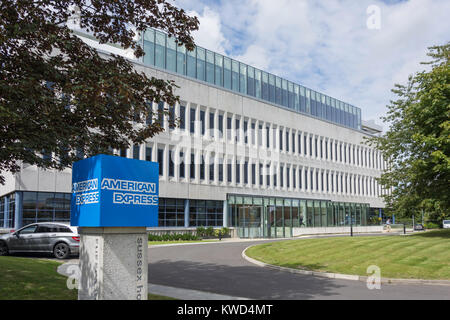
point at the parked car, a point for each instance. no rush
(419, 227)
(446, 224)
(59, 239)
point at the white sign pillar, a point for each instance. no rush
(113, 263)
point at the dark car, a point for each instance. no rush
(59, 239)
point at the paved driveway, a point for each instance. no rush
(219, 268)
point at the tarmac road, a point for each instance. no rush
(219, 268)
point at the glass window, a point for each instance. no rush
(202, 121)
(28, 230)
(148, 154)
(192, 166)
(251, 81)
(181, 59)
(29, 200)
(202, 167)
(149, 47)
(219, 69)
(235, 76)
(296, 97)
(313, 103)
(201, 63)
(308, 100)
(171, 54)
(227, 73)
(302, 99)
(257, 83)
(160, 50)
(209, 66)
(284, 93)
(221, 126)
(272, 90)
(171, 164)
(161, 161)
(278, 98)
(243, 78)
(182, 117)
(191, 67)
(265, 86)
(136, 152)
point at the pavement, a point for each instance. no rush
(219, 268)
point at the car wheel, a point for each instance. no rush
(3, 249)
(61, 250)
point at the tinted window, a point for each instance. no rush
(45, 229)
(29, 229)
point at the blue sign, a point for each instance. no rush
(110, 191)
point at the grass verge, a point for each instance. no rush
(419, 256)
(32, 279)
(37, 279)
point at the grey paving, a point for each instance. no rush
(219, 268)
(187, 294)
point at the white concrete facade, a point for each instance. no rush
(254, 148)
(341, 154)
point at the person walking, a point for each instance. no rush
(388, 225)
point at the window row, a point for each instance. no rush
(206, 213)
(201, 167)
(201, 64)
(219, 125)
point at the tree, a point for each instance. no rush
(417, 144)
(59, 98)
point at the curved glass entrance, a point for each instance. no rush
(270, 217)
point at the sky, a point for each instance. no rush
(352, 50)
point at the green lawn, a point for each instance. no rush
(418, 256)
(37, 279)
(32, 279)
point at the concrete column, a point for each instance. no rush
(198, 159)
(113, 263)
(186, 213)
(6, 212)
(308, 179)
(308, 141)
(225, 213)
(18, 214)
(216, 168)
(197, 124)
(177, 116)
(334, 182)
(187, 118)
(225, 169)
(241, 170)
(217, 133)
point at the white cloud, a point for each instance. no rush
(209, 35)
(326, 45)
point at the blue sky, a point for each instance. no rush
(326, 45)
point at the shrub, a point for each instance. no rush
(173, 237)
(210, 232)
(201, 232)
(431, 225)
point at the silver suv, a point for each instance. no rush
(59, 239)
